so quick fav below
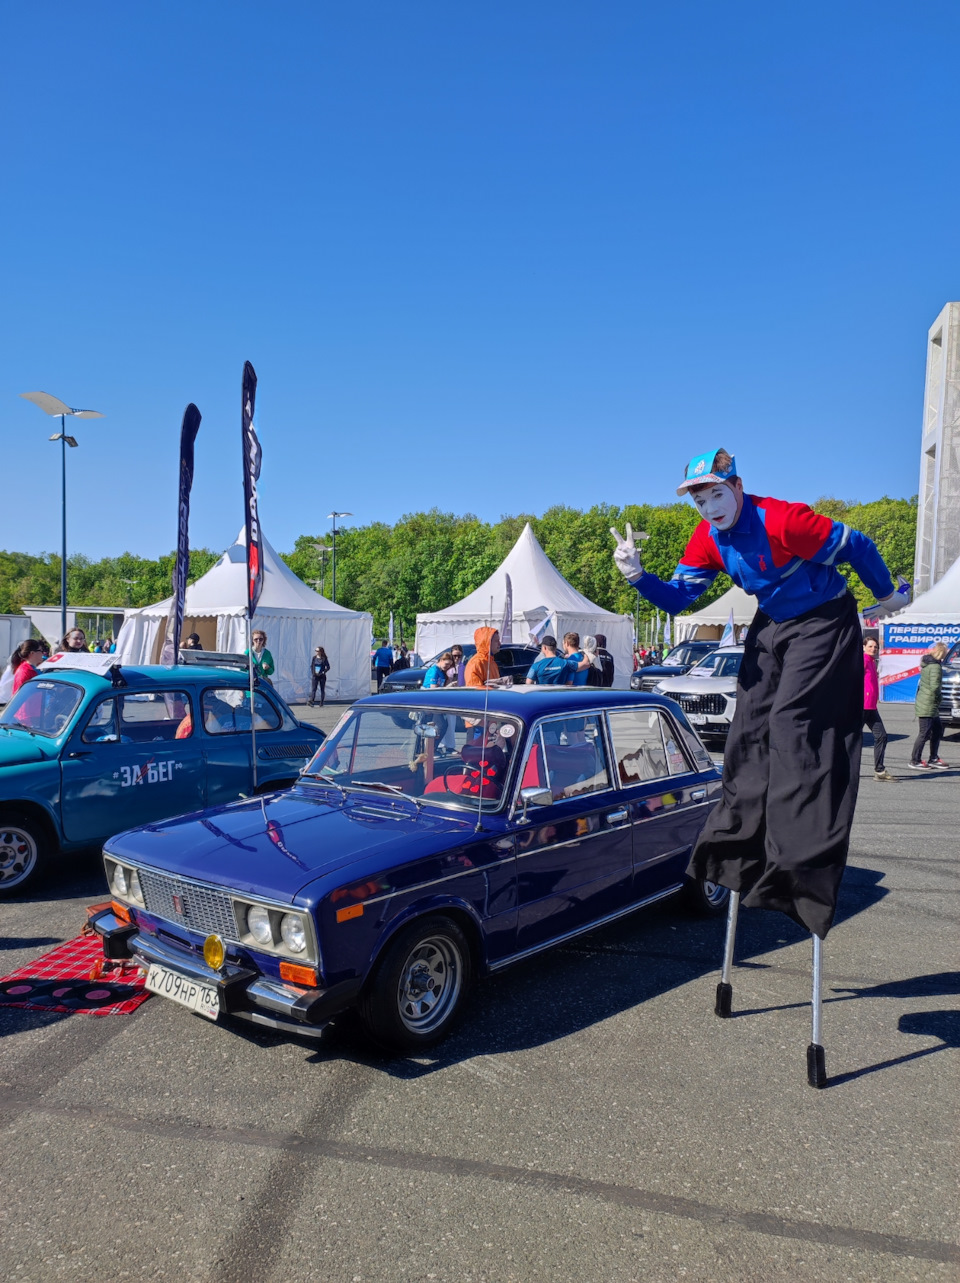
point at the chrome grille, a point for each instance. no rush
(715, 704)
(179, 900)
(650, 683)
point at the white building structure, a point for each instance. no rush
(938, 520)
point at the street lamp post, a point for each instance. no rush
(54, 406)
(332, 516)
(322, 549)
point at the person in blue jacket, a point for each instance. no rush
(780, 835)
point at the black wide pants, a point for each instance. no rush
(792, 767)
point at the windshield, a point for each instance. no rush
(719, 664)
(682, 655)
(953, 658)
(42, 706)
(467, 652)
(420, 752)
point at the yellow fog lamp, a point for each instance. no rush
(214, 952)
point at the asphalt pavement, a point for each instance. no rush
(591, 1119)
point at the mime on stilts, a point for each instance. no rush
(780, 835)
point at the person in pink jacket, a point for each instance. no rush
(871, 718)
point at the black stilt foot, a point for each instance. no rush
(724, 1005)
(816, 1066)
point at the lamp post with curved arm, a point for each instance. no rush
(332, 516)
(54, 406)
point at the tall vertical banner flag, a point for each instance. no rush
(667, 631)
(188, 435)
(251, 475)
(729, 637)
(506, 624)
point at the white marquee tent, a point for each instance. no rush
(933, 617)
(716, 615)
(295, 619)
(538, 590)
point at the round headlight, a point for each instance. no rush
(136, 890)
(293, 932)
(119, 880)
(258, 924)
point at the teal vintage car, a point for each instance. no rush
(90, 749)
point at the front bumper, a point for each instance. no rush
(242, 991)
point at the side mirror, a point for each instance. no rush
(535, 796)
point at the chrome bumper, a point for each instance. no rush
(242, 991)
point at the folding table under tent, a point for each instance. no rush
(539, 590)
(295, 618)
(714, 618)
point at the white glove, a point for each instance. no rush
(627, 554)
(901, 597)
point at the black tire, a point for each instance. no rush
(416, 993)
(706, 899)
(24, 852)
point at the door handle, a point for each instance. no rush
(697, 794)
(81, 753)
(615, 817)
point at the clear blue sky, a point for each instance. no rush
(485, 257)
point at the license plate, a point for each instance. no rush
(194, 994)
(698, 719)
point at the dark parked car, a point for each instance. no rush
(676, 661)
(513, 661)
(88, 748)
(397, 869)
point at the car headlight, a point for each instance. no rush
(258, 924)
(293, 932)
(136, 890)
(118, 881)
(634, 683)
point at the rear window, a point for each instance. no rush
(226, 711)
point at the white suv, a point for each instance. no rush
(708, 692)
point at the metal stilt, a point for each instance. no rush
(816, 1061)
(725, 988)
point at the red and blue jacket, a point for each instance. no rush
(785, 554)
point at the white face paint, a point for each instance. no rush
(718, 505)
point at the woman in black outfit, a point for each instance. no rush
(319, 667)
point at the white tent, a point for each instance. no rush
(539, 590)
(905, 636)
(716, 615)
(295, 619)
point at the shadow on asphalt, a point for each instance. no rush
(601, 974)
(944, 1025)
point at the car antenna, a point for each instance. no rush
(483, 726)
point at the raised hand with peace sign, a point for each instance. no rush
(627, 554)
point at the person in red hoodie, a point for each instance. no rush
(871, 718)
(24, 662)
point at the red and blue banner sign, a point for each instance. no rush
(902, 645)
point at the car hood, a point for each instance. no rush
(18, 748)
(699, 685)
(661, 670)
(275, 846)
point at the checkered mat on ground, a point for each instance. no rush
(74, 978)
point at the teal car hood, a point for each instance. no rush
(275, 846)
(20, 748)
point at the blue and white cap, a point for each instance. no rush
(702, 470)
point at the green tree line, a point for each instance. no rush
(427, 560)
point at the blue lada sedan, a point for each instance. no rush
(88, 749)
(434, 838)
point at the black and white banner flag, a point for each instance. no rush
(251, 475)
(188, 435)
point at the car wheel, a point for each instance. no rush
(417, 992)
(23, 852)
(708, 899)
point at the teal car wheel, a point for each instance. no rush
(22, 852)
